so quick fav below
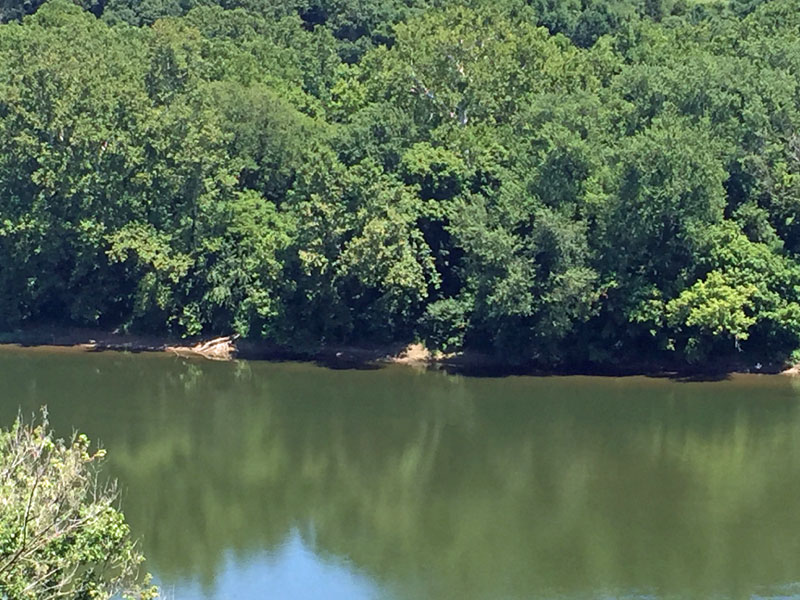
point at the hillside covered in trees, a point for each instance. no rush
(550, 181)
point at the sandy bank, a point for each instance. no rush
(230, 347)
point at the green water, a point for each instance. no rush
(257, 480)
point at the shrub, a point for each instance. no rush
(61, 535)
(444, 325)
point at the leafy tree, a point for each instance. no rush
(667, 189)
(714, 308)
(61, 535)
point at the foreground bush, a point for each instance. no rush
(61, 535)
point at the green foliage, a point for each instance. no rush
(713, 308)
(550, 181)
(60, 533)
(444, 324)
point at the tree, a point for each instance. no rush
(713, 307)
(61, 535)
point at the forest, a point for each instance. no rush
(547, 181)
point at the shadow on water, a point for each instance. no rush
(498, 371)
(343, 364)
(436, 486)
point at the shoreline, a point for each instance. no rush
(227, 348)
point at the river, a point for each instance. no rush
(290, 481)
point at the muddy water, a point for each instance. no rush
(288, 481)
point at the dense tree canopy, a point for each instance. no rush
(550, 181)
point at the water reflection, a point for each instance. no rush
(294, 570)
(395, 484)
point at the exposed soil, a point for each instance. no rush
(219, 348)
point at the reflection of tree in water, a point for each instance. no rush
(443, 487)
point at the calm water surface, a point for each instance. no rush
(289, 481)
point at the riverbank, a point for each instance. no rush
(230, 347)
(347, 356)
